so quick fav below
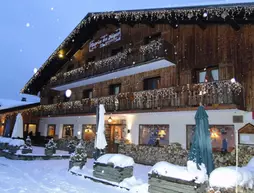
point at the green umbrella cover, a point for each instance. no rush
(201, 148)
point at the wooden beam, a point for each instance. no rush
(233, 24)
(150, 24)
(131, 24)
(201, 24)
(174, 24)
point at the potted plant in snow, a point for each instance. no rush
(71, 146)
(50, 148)
(79, 157)
(27, 148)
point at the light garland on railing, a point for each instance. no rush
(111, 60)
(145, 49)
(243, 12)
(151, 47)
(172, 93)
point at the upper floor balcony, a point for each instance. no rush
(214, 95)
(118, 65)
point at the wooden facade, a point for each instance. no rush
(191, 48)
(194, 39)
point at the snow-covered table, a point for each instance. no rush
(113, 167)
(166, 177)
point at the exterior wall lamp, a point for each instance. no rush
(109, 119)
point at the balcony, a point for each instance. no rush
(132, 57)
(214, 95)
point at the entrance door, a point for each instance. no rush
(113, 137)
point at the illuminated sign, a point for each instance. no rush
(105, 40)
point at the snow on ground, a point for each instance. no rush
(46, 176)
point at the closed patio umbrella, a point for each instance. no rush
(100, 139)
(18, 127)
(201, 148)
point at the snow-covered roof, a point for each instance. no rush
(8, 103)
(88, 26)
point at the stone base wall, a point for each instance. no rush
(175, 154)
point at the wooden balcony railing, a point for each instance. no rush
(126, 59)
(210, 94)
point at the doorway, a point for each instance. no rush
(114, 135)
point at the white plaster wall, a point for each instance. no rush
(248, 118)
(77, 121)
(177, 122)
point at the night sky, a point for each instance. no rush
(31, 30)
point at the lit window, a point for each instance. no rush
(88, 132)
(51, 130)
(154, 135)
(30, 129)
(222, 137)
(67, 131)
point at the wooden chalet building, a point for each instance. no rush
(151, 69)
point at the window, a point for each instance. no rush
(151, 83)
(116, 51)
(151, 38)
(222, 137)
(51, 99)
(91, 59)
(88, 132)
(65, 98)
(67, 131)
(70, 67)
(88, 93)
(154, 135)
(208, 75)
(2, 123)
(51, 130)
(30, 129)
(114, 89)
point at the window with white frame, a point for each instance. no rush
(208, 75)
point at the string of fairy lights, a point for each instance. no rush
(150, 48)
(213, 91)
(243, 12)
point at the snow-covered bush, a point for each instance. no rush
(27, 148)
(4, 141)
(51, 144)
(79, 157)
(15, 145)
(72, 145)
(50, 148)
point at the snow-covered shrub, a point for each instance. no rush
(4, 141)
(72, 145)
(15, 145)
(51, 144)
(50, 148)
(27, 148)
(79, 157)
